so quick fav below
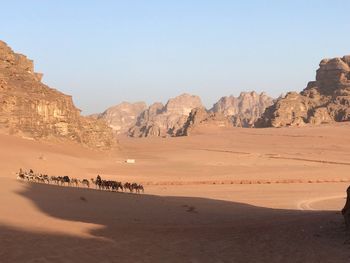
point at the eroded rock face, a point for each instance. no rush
(31, 108)
(200, 119)
(325, 100)
(122, 116)
(245, 109)
(159, 120)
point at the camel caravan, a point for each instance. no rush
(99, 183)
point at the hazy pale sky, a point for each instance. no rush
(105, 52)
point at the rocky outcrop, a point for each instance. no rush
(146, 122)
(245, 109)
(346, 211)
(30, 108)
(122, 116)
(200, 120)
(159, 120)
(325, 100)
(185, 113)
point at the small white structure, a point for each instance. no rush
(130, 161)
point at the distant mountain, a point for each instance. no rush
(32, 109)
(159, 120)
(245, 109)
(122, 116)
(325, 100)
(184, 113)
(230, 111)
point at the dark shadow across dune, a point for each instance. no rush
(146, 228)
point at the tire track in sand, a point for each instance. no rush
(307, 204)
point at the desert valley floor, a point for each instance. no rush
(238, 195)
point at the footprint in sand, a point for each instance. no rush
(190, 209)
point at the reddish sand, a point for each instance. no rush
(241, 195)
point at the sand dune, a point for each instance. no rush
(185, 214)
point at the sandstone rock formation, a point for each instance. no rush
(245, 109)
(122, 116)
(200, 119)
(159, 120)
(346, 211)
(325, 100)
(30, 108)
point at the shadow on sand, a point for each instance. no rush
(146, 228)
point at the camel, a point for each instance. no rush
(115, 185)
(39, 179)
(85, 182)
(93, 182)
(74, 181)
(64, 179)
(137, 187)
(98, 180)
(96, 183)
(120, 185)
(45, 178)
(54, 179)
(20, 174)
(127, 186)
(140, 188)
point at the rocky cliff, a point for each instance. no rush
(185, 113)
(30, 108)
(122, 116)
(325, 100)
(245, 109)
(200, 120)
(159, 120)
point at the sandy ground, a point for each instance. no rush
(240, 195)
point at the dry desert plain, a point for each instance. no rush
(238, 195)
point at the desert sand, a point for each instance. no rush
(233, 195)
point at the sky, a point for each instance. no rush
(105, 52)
